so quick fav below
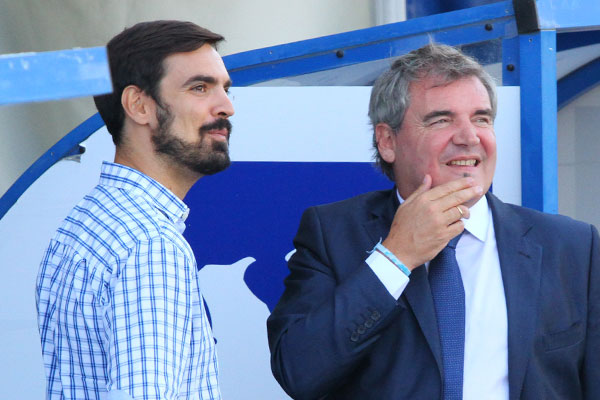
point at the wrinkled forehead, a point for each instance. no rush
(431, 80)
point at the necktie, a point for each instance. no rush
(449, 301)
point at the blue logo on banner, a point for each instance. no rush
(253, 210)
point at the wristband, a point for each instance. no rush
(390, 256)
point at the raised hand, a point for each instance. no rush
(427, 220)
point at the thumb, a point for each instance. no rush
(425, 186)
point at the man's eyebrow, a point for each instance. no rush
(485, 111)
(438, 113)
(447, 113)
(205, 79)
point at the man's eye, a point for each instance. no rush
(440, 121)
(199, 88)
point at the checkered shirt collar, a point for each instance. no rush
(123, 177)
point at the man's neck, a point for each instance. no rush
(177, 179)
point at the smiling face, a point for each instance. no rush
(193, 129)
(447, 132)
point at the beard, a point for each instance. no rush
(204, 156)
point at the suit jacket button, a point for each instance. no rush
(354, 337)
(375, 315)
(368, 323)
(361, 329)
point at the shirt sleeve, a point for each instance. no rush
(150, 321)
(392, 277)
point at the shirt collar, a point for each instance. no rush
(126, 178)
(479, 220)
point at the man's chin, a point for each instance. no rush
(218, 161)
(473, 201)
(221, 145)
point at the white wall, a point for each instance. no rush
(44, 25)
(579, 158)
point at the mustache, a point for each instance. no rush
(219, 124)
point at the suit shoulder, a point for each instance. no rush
(367, 201)
(552, 223)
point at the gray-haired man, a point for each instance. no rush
(462, 295)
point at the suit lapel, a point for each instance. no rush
(417, 292)
(418, 295)
(520, 263)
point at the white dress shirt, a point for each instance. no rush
(486, 326)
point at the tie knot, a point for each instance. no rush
(454, 241)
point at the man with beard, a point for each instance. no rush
(120, 311)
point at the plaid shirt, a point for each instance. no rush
(118, 298)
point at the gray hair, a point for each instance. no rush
(390, 97)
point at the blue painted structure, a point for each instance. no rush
(578, 82)
(67, 146)
(54, 75)
(539, 155)
(366, 45)
(528, 59)
(420, 8)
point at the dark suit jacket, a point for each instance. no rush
(336, 332)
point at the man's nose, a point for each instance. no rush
(223, 106)
(466, 134)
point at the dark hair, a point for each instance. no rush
(136, 57)
(390, 97)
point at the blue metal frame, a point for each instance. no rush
(511, 62)
(522, 58)
(571, 40)
(455, 28)
(578, 82)
(568, 14)
(539, 159)
(54, 75)
(61, 149)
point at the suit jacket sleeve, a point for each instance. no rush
(332, 311)
(591, 368)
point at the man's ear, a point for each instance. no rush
(138, 105)
(386, 142)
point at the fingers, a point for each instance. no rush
(456, 213)
(459, 197)
(454, 230)
(429, 218)
(454, 193)
(460, 211)
(452, 187)
(445, 199)
(464, 211)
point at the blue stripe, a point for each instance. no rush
(48, 159)
(578, 82)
